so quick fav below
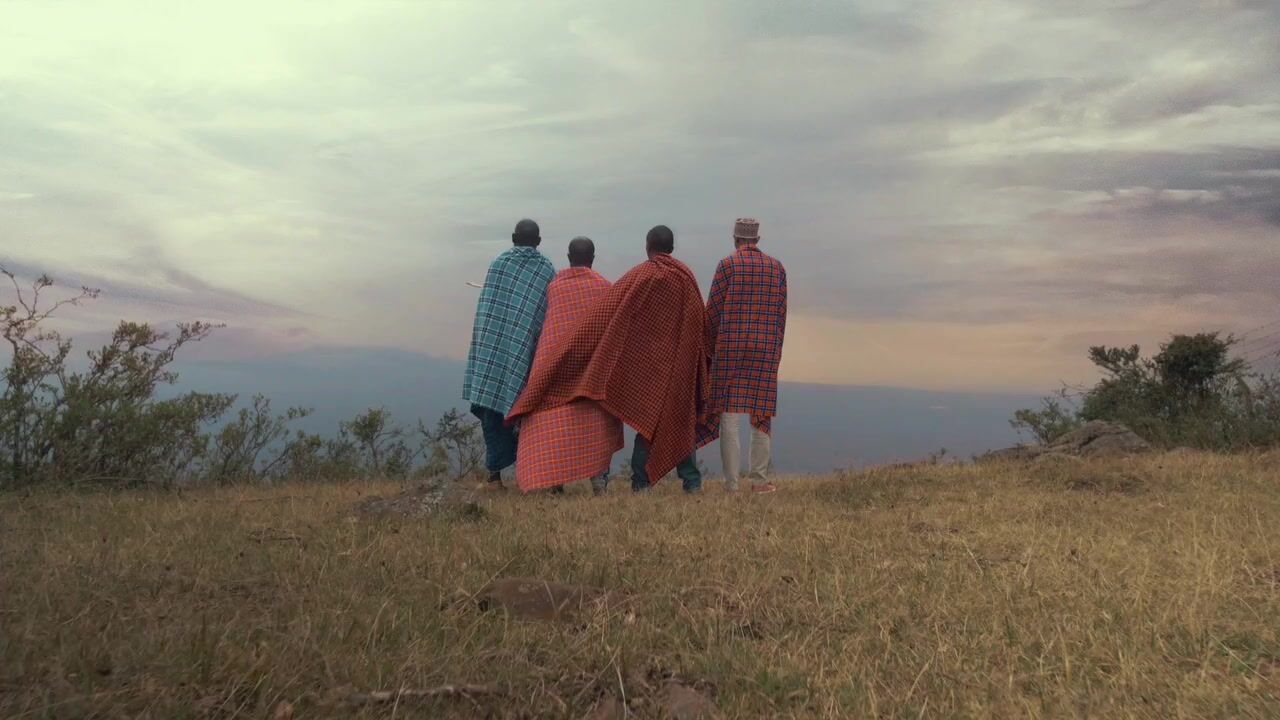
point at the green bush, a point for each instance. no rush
(1192, 393)
(242, 449)
(1054, 419)
(105, 423)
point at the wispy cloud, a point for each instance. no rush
(946, 181)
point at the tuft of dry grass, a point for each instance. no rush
(1134, 588)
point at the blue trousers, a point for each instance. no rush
(499, 440)
(690, 475)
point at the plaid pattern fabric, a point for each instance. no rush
(575, 441)
(746, 321)
(638, 352)
(566, 444)
(508, 320)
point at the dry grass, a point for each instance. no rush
(1141, 588)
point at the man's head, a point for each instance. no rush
(582, 252)
(526, 234)
(746, 231)
(660, 241)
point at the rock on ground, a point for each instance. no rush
(608, 707)
(1097, 438)
(425, 501)
(681, 702)
(1100, 438)
(534, 599)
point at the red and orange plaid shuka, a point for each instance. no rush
(575, 441)
(746, 322)
(638, 352)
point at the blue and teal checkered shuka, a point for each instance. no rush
(509, 319)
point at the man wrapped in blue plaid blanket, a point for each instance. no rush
(509, 315)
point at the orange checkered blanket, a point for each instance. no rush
(639, 353)
(576, 441)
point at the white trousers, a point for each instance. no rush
(731, 450)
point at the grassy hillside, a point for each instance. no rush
(1136, 588)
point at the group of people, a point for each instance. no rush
(559, 362)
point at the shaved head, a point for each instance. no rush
(660, 241)
(527, 233)
(582, 252)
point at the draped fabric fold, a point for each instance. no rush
(509, 318)
(638, 352)
(575, 441)
(746, 323)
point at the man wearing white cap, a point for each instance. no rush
(746, 320)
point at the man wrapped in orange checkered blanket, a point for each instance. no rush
(575, 441)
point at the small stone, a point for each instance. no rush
(426, 501)
(684, 703)
(608, 707)
(535, 599)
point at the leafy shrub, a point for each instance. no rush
(456, 447)
(242, 448)
(106, 424)
(103, 423)
(1192, 393)
(1055, 418)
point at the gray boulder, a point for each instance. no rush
(1097, 438)
(1100, 438)
(426, 501)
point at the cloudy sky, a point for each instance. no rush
(966, 194)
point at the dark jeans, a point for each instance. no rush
(499, 440)
(688, 470)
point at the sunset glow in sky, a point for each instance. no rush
(966, 194)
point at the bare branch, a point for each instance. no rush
(85, 294)
(17, 287)
(16, 326)
(41, 283)
(33, 346)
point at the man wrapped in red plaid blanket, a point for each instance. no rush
(639, 353)
(746, 321)
(575, 441)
